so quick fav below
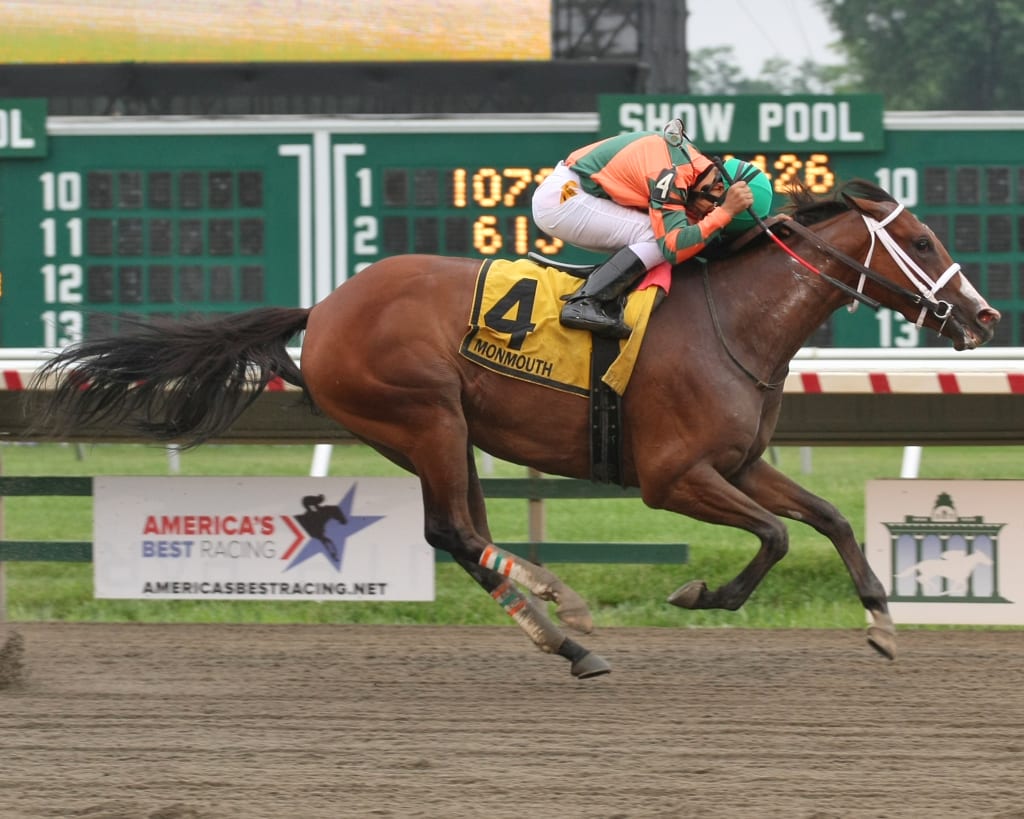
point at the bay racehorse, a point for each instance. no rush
(381, 357)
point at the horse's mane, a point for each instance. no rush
(809, 208)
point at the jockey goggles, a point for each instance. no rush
(702, 191)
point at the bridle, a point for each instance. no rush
(940, 309)
(925, 285)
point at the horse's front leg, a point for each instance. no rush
(783, 496)
(702, 493)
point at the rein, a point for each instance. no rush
(761, 385)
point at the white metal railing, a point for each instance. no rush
(917, 359)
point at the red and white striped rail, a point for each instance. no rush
(992, 371)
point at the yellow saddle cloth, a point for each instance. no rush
(514, 328)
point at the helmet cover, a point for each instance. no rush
(760, 185)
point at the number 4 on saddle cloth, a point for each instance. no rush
(514, 329)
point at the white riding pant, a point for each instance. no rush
(590, 222)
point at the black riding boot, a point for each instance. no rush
(596, 305)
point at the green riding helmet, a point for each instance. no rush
(760, 186)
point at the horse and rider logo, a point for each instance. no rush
(327, 528)
(949, 574)
(945, 557)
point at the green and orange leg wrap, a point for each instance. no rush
(544, 634)
(536, 578)
(570, 606)
(510, 598)
(498, 561)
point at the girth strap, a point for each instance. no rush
(605, 415)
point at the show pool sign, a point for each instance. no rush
(759, 124)
(260, 539)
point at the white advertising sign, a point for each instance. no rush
(260, 539)
(948, 551)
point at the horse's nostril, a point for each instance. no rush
(989, 316)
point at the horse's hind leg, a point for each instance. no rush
(424, 431)
(431, 440)
(441, 458)
(462, 542)
(530, 618)
(783, 496)
(535, 623)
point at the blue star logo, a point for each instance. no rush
(335, 530)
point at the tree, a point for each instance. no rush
(714, 71)
(928, 55)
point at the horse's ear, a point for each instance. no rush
(869, 206)
(866, 197)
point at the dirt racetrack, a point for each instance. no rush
(276, 722)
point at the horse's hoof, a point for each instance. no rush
(590, 665)
(688, 596)
(883, 640)
(576, 619)
(573, 612)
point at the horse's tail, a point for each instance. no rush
(184, 381)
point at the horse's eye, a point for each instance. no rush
(923, 245)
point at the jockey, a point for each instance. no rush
(649, 196)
